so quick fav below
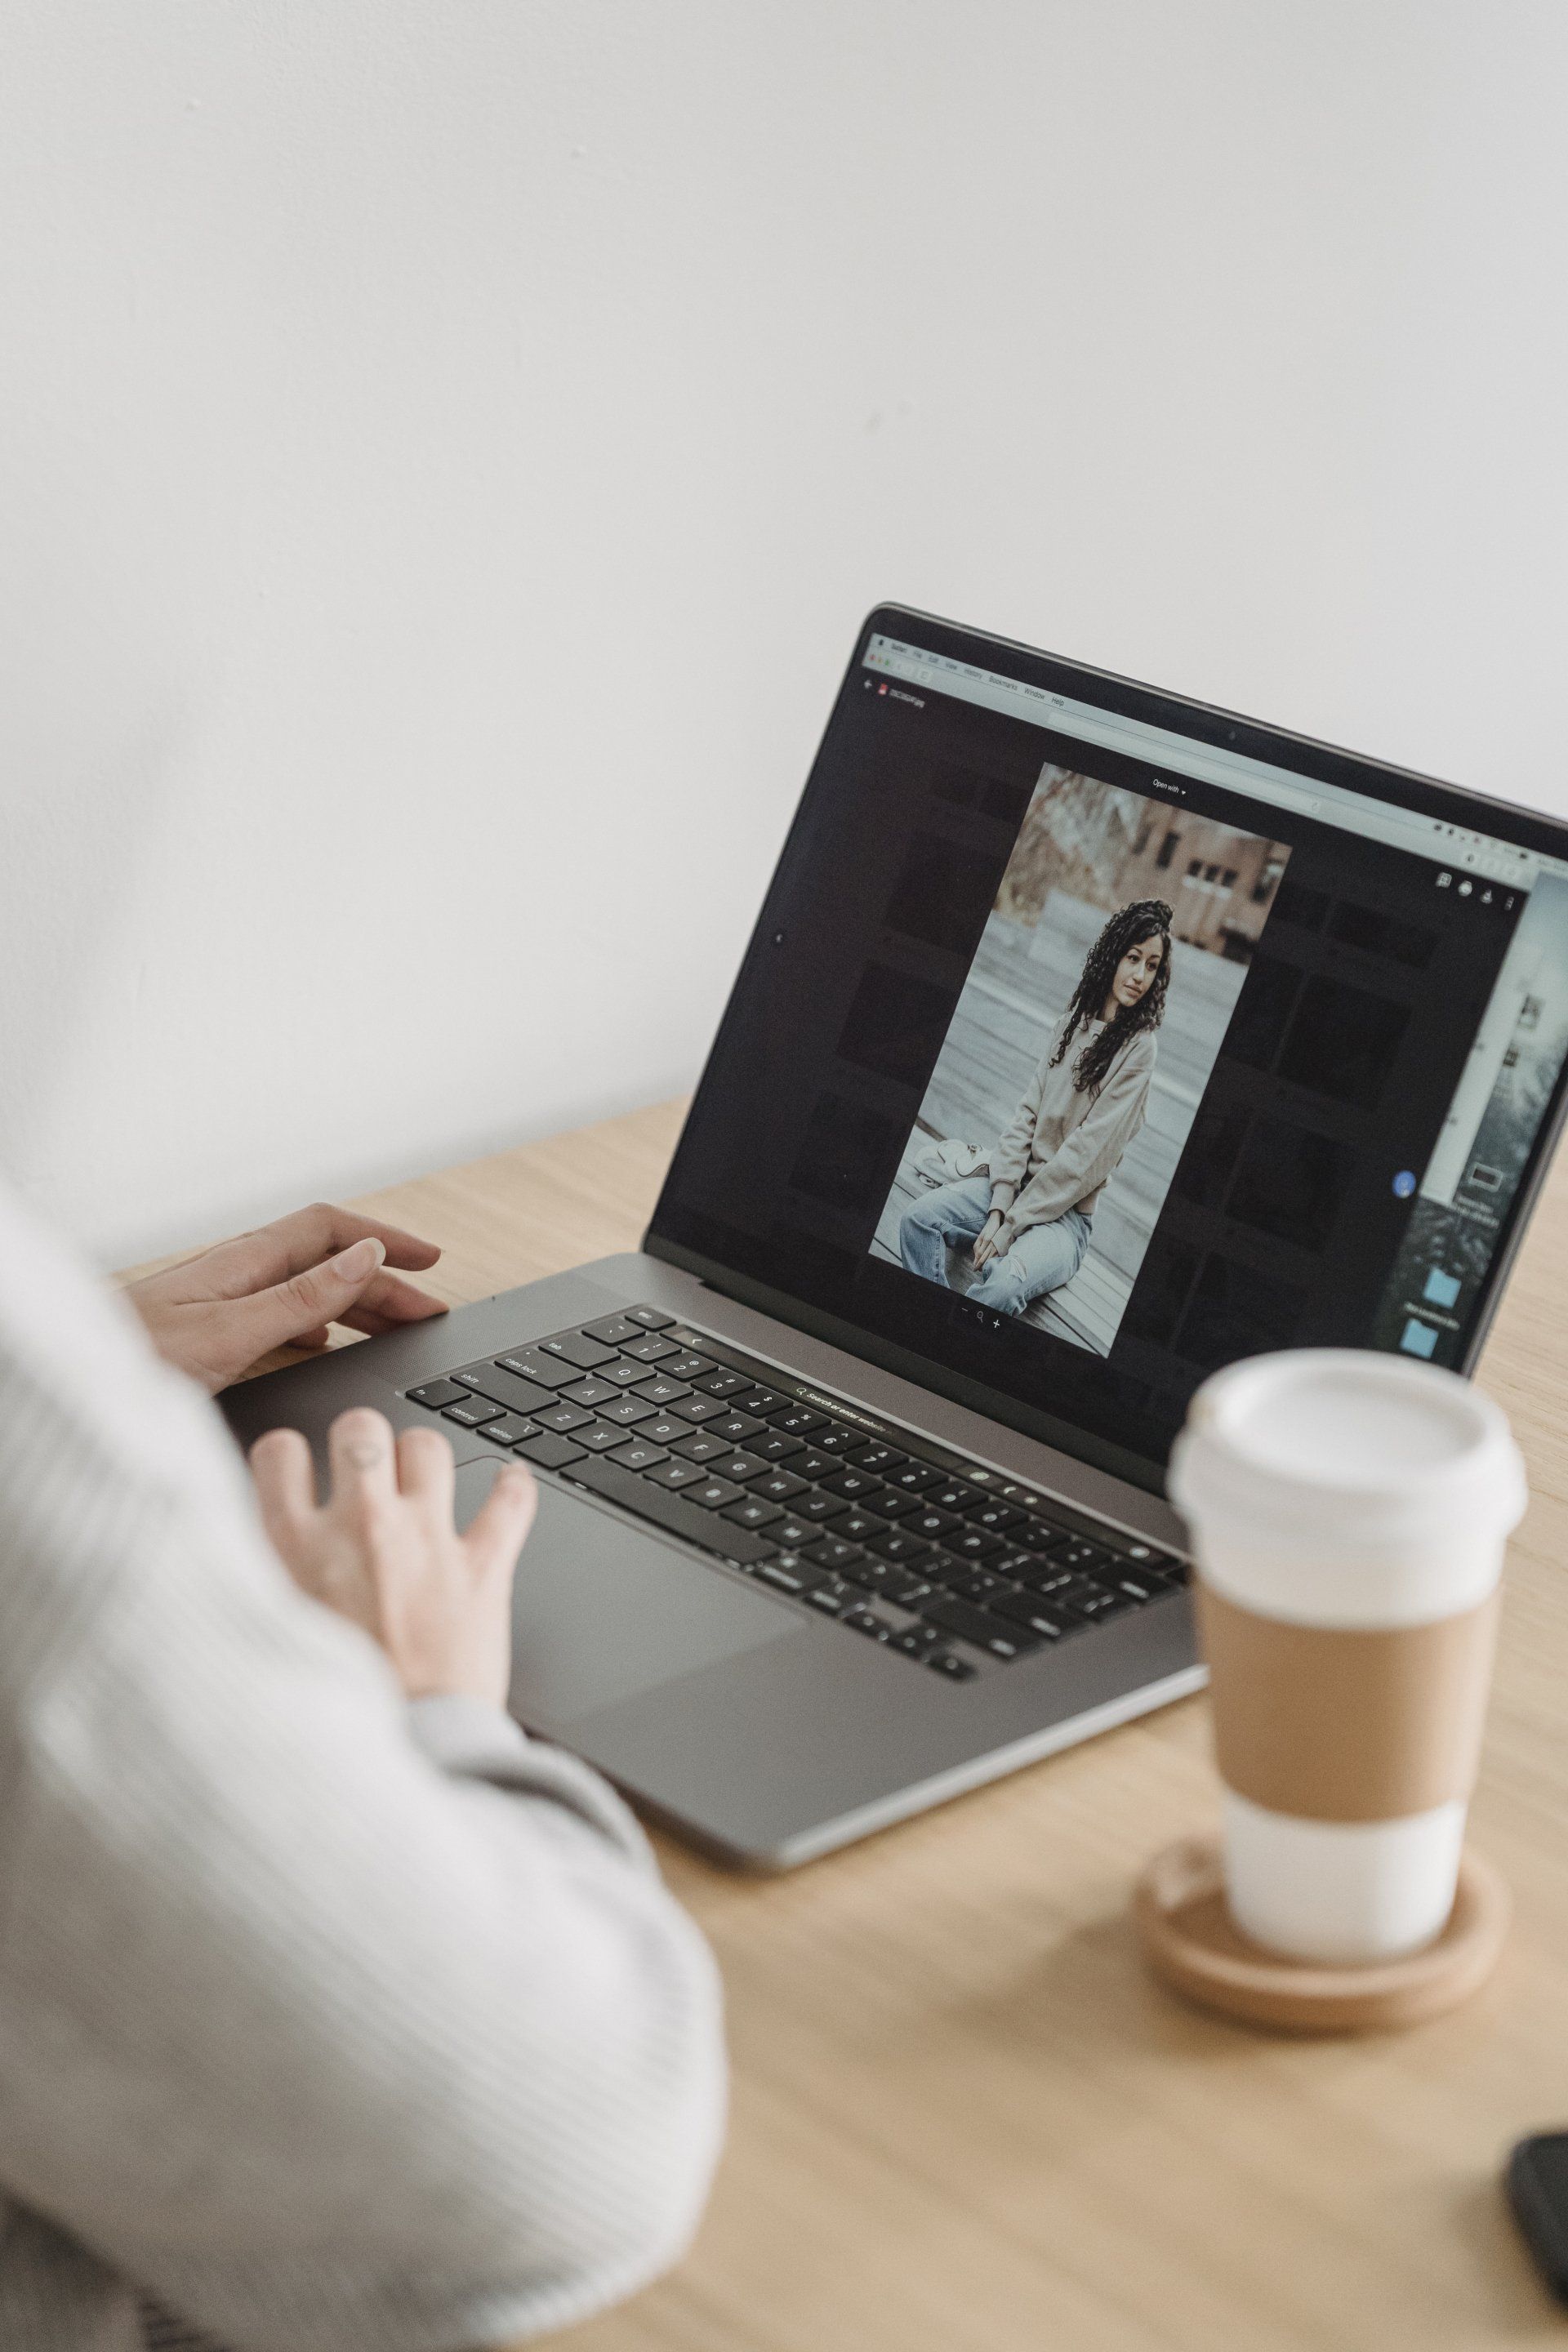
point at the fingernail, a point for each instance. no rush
(353, 1264)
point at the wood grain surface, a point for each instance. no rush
(966, 2120)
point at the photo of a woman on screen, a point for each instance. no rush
(1029, 1214)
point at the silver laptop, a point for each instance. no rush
(1089, 1039)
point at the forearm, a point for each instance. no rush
(394, 2057)
(573, 2174)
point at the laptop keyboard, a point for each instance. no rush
(906, 1543)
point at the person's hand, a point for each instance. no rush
(214, 1315)
(383, 1552)
(986, 1241)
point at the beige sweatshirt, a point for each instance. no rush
(1063, 1145)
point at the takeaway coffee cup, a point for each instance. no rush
(1349, 1513)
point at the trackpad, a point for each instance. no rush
(604, 1612)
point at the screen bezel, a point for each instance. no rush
(1223, 729)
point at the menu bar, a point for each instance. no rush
(1160, 747)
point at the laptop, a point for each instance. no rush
(1089, 1039)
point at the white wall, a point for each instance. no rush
(445, 450)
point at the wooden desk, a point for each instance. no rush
(965, 2121)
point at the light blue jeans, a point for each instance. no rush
(1042, 1258)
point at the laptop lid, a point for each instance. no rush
(1256, 1043)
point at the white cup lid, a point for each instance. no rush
(1347, 1444)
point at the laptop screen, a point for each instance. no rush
(1090, 1039)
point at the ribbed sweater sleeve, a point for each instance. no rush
(336, 2024)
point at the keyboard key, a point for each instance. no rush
(957, 1670)
(572, 1348)
(549, 1371)
(1063, 1588)
(614, 1330)
(624, 1372)
(894, 1583)
(473, 1412)
(1000, 1635)
(975, 1585)
(799, 1420)
(550, 1452)
(650, 1318)
(935, 1526)
(688, 1367)
(1134, 1547)
(874, 1456)
(864, 1623)
(831, 1596)
(776, 1450)
(504, 1388)
(1097, 1606)
(914, 1477)
(436, 1393)
(703, 1409)
(724, 1383)
(599, 1437)
(918, 1641)
(661, 1390)
(1040, 1535)
(856, 1526)
(994, 1515)
(651, 1501)
(564, 1417)
(830, 1552)
(1090, 1558)
(739, 1467)
(712, 1494)
(779, 1485)
(792, 1532)
(675, 1474)
(1142, 1588)
(762, 1402)
(893, 1502)
(638, 1455)
(702, 1445)
(817, 1506)
(835, 1438)
(973, 1543)
(1017, 1566)
(793, 1574)
(649, 1350)
(1040, 1616)
(508, 1430)
(738, 1427)
(664, 1429)
(854, 1485)
(627, 1412)
(811, 1464)
(590, 1392)
(754, 1511)
(899, 1544)
(952, 1496)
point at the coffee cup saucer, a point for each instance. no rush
(1194, 1947)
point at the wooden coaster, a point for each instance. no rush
(1190, 1942)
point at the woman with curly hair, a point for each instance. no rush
(1029, 1216)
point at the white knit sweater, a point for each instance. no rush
(338, 2026)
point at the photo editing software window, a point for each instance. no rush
(1083, 1058)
